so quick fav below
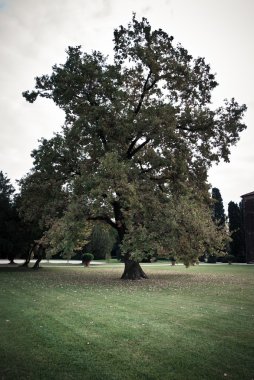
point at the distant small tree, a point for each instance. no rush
(68, 234)
(218, 209)
(236, 246)
(102, 241)
(6, 188)
(218, 217)
(87, 258)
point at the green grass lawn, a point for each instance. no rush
(85, 323)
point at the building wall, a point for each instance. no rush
(248, 221)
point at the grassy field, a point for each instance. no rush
(85, 323)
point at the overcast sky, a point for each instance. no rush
(34, 35)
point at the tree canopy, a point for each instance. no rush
(139, 137)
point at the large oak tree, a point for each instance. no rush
(139, 137)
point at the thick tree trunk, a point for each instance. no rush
(37, 263)
(28, 258)
(40, 253)
(133, 271)
(25, 264)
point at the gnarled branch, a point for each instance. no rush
(103, 218)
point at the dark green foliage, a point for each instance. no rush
(219, 218)
(211, 259)
(102, 241)
(229, 258)
(235, 223)
(87, 257)
(16, 235)
(139, 138)
(8, 218)
(218, 209)
(6, 188)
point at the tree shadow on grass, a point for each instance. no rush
(13, 268)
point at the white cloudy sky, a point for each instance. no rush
(34, 35)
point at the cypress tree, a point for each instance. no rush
(236, 246)
(218, 212)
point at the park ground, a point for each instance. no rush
(71, 322)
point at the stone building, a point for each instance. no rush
(248, 225)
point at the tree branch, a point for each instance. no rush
(103, 139)
(145, 89)
(103, 219)
(131, 154)
(197, 129)
(132, 144)
(161, 179)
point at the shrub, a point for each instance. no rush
(212, 259)
(228, 259)
(86, 258)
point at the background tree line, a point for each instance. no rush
(234, 223)
(17, 236)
